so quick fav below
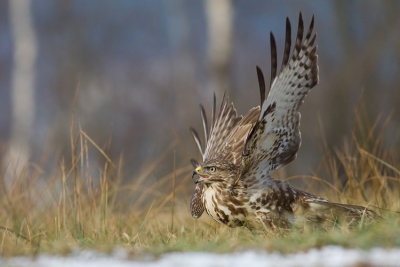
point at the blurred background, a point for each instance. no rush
(143, 67)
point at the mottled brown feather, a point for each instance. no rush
(196, 203)
(235, 187)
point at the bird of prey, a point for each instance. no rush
(233, 182)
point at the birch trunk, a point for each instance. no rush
(23, 82)
(219, 19)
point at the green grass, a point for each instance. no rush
(79, 205)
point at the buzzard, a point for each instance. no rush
(233, 182)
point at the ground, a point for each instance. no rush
(78, 209)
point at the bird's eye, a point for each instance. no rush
(212, 169)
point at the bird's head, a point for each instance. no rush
(213, 171)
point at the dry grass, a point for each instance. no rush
(80, 205)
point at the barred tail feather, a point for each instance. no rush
(352, 213)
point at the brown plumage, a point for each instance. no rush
(233, 182)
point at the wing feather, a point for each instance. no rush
(261, 83)
(213, 111)
(274, 56)
(228, 133)
(288, 43)
(196, 203)
(275, 139)
(196, 139)
(205, 123)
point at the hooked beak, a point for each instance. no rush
(199, 172)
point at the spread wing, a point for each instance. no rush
(275, 138)
(225, 139)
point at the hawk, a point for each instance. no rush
(233, 182)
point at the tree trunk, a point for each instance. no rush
(219, 19)
(23, 82)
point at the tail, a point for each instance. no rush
(317, 209)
